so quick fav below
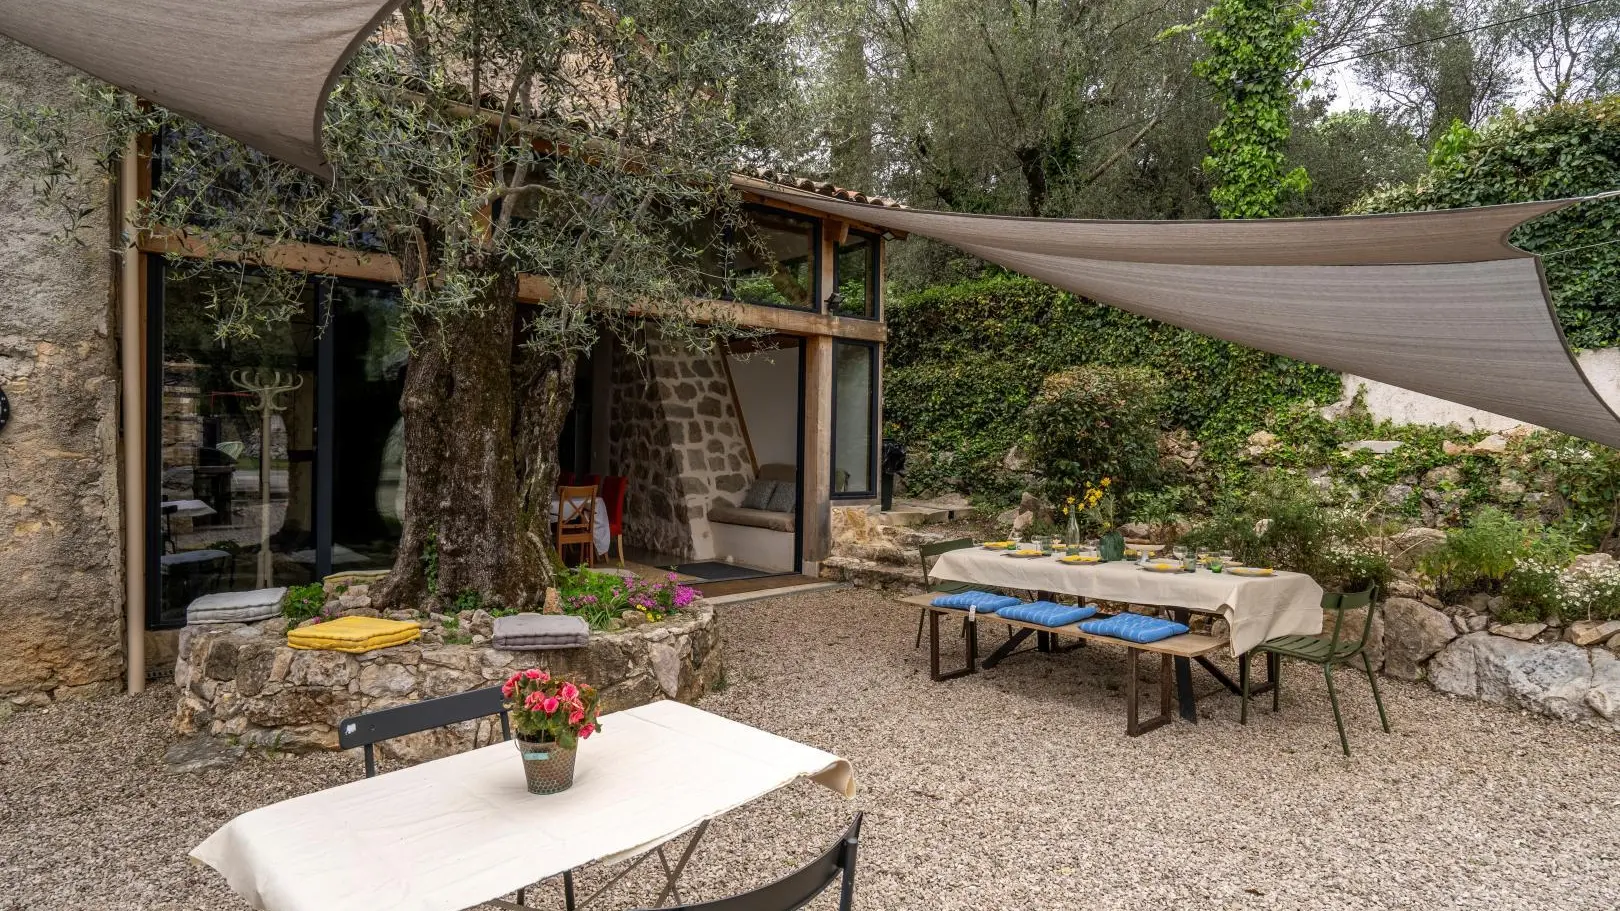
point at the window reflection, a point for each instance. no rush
(368, 465)
(854, 418)
(855, 274)
(774, 261)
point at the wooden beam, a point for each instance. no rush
(816, 467)
(838, 230)
(299, 257)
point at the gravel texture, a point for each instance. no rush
(1015, 788)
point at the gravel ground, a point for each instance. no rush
(1015, 788)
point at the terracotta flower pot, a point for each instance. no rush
(547, 767)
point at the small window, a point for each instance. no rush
(854, 415)
(855, 277)
(774, 260)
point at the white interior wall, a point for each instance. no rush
(767, 387)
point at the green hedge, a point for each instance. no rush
(964, 361)
(1562, 151)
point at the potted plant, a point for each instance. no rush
(550, 716)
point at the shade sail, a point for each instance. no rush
(1435, 302)
(256, 70)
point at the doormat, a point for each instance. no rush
(715, 570)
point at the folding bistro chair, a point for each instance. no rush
(576, 521)
(929, 554)
(614, 491)
(798, 889)
(1323, 652)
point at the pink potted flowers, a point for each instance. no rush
(550, 716)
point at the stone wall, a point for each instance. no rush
(61, 580)
(242, 680)
(679, 441)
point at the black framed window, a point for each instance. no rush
(775, 260)
(857, 277)
(855, 419)
(235, 506)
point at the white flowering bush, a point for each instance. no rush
(1591, 592)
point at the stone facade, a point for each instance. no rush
(679, 440)
(61, 586)
(242, 681)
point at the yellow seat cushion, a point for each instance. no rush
(354, 634)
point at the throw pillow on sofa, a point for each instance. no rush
(759, 494)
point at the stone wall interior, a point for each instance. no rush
(61, 589)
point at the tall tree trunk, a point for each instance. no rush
(464, 529)
(545, 393)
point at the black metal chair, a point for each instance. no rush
(374, 727)
(798, 889)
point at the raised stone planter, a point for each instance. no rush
(242, 681)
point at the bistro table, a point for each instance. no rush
(1255, 608)
(461, 831)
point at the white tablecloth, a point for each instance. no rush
(455, 832)
(1257, 609)
(601, 535)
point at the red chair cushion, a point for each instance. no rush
(613, 491)
(565, 479)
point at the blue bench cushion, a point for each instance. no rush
(986, 602)
(1135, 628)
(1046, 613)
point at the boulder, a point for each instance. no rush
(1413, 633)
(1406, 548)
(1376, 447)
(1604, 696)
(1015, 461)
(1590, 632)
(1553, 679)
(1261, 442)
(1491, 445)
(1522, 632)
(1591, 561)
(860, 532)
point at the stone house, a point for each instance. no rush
(136, 472)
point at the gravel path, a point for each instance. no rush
(1015, 788)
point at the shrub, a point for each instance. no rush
(303, 602)
(1094, 422)
(1534, 590)
(1479, 556)
(601, 597)
(1591, 592)
(1281, 521)
(1352, 566)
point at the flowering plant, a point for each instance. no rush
(1096, 502)
(547, 708)
(655, 600)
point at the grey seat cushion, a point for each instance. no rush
(236, 607)
(759, 494)
(533, 632)
(753, 518)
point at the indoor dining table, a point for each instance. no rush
(1255, 608)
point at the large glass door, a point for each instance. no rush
(368, 361)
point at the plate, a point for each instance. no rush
(999, 545)
(1080, 560)
(1164, 567)
(1025, 554)
(1255, 571)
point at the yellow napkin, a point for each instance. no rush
(354, 634)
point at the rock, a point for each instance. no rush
(1396, 494)
(1445, 476)
(355, 599)
(1459, 622)
(1604, 696)
(1413, 633)
(311, 622)
(193, 754)
(220, 660)
(1453, 449)
(1406, 548)
(1552, 680)
(1014, 461)
(1509, 490)
(477, 622)
(1478, 622)
(1404, 588)
(406, 615)
(1260, 442)
(1022, 523)
(553, 603)
(1591, 632)
(362, 611)
(1523, 632)
(862, 533)
(1591, 561)
(354, 579)
(666, 666)
(630, 619)
(1137, 531)
(1377, 447)
(1491, 445)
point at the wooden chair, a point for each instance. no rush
(798, 889)
(614, 491)
(576, 521)
(929, 553)
(1323, 652)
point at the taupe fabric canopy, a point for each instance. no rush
(255, 70)
(1436, 302)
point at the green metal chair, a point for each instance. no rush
(1319, 651)
(930, 554)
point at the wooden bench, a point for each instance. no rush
(1184, 646)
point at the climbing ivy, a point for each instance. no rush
(1252, 56)
(965, 360)
(1565, 150)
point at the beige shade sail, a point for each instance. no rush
(256, 70)
(1435, 302)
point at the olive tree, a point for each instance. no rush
(567, 145)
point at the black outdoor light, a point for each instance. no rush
(5, 409)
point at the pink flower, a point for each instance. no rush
(586, 731)
(533, 702)
(549, 704)
(545, 677)
(508, 688)
(577, 716)
(533, 674)
(569, 692)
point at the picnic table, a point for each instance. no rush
(461, 831)
(1255, 608)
